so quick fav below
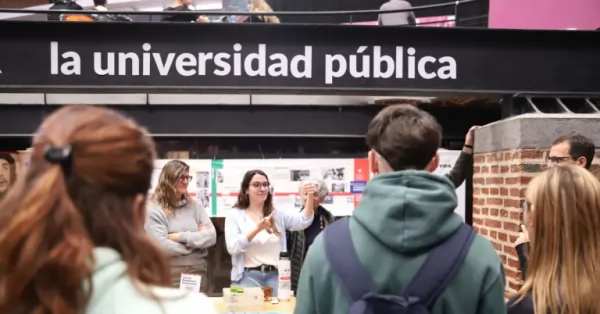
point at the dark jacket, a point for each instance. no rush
(521, 253)
(297, 247)
(191, 17)
(462, 168)
(523, 307)
(62, 5)
(111, 17)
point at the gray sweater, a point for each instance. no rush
(192, 246)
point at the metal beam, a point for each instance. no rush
(252, 121)
(195, 99)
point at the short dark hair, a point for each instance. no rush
(99, 2)
(8, 157)
(405, 136)
(580, 146)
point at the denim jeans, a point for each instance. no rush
(255, 278)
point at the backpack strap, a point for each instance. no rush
(345, 265)
(442, 264)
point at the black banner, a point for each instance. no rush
(297, 58)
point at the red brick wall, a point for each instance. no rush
(499, 183)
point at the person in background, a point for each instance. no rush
(261, 6)
(298, 242)
(183, 6)
(406, 214)
(180, 224)
(399, 18)
(58, 5)
(562, 209)
(464, 164)
(101, 5)
(255, 231)
(574, 149)
(8, 173)
(71, 232)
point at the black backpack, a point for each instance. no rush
(439, 268)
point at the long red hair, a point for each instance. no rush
(55, 216)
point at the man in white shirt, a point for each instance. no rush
(399, 18)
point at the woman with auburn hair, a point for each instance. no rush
(180, 224)
(255, 231)
(71, 231)
(562, 218)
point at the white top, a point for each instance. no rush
(236, 231)
(264, 248)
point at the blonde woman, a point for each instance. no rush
(180, 224)
(563, 215)
(261, 6)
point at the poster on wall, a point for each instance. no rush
(9, 170)
(286, 176)
(216, 183)
(447, 160)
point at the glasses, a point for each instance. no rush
(183, 179)
(258, 185)
(557, 159)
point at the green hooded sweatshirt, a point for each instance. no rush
(401, 216)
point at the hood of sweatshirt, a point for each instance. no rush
(408, 211)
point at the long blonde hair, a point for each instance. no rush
(562, 274)
(166, 194)
(263, 6)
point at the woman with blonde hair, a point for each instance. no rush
(180, 224)
(71, 229)
(261, 6)
(562, 216)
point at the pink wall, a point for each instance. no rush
(545, 14)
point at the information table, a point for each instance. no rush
(286, 307)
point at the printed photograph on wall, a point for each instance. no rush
(203, 198)
(299, 175)
(8, 171)
(202, 178)
(338, 187)
(333, 173)
(297, 202)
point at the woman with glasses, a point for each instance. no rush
(562, 218)
(255, 231)
(180, 224)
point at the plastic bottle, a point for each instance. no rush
(284, 268)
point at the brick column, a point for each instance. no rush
(508, 154)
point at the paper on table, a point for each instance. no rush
(190, 283)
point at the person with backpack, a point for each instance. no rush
(404, 250)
